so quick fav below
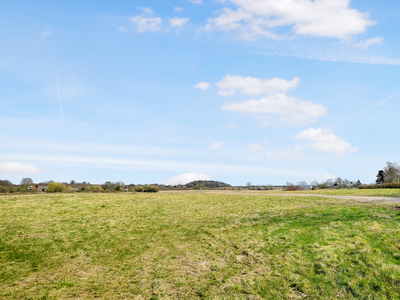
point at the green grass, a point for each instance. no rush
(197, 246)
(356, 192)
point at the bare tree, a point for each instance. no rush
(26, 181)
(301, 183)
(392, 172)
(346, 183)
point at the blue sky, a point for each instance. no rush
(264, 91)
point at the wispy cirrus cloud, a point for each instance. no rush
(18, 168)
(132, 164)
(369, 42)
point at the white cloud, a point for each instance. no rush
(365, 44)
(186, 178)
(147, 10)
(196, 1)
(322, 18)
(146, 24)
(324, 140)
(215, 146)
(203, 85)
(178, 8)
(178, 21)
(290, 111)
(18, 168)
(255, 147)
(254, 86)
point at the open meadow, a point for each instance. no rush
(197, 246)
(355, 192)
(338, 192)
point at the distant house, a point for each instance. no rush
(32, 188)
(292, 188)
(42, 188)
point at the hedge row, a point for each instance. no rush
(391, 185)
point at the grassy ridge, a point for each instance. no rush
(196, 246)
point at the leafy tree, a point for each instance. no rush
(380, 178)
(72, 182)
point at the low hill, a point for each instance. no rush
(207, 183)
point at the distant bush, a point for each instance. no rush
(139, 189)
(147, 189)
(96, 189)
(56, 187)
(391, 185)
(93, 189)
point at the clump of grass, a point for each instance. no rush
(196, 246)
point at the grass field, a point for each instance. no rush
(343, 192)
(357, 192)
(196, 246)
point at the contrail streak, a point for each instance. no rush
(364, 110)
(59, 100)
